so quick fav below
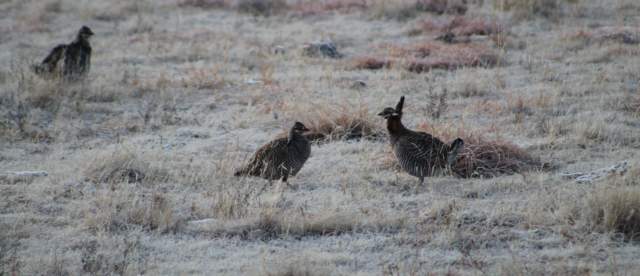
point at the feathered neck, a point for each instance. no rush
(395, 126)
(79, 39)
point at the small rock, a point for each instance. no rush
(358, 84)
(279, 50)
(322, 49)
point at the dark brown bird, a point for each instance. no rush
(76, 57)
(281, 157)
(418, 153)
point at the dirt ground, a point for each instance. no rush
(139, 157)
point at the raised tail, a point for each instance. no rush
(49, 64)
(454, 151)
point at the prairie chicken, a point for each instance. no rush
(76, 57)
(281, 157)
(418, 153)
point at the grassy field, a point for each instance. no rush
(140, 156)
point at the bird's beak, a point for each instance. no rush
(305, 129)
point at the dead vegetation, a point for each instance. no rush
(603, 36)
(139, 159)
(293, 265)
(396, 9)
(431, 55)
(122, 166)
(530, 9)
(482, 157)
(631, 104)
(614, 209)
(458, 26)
(341, 123)
(427, 56)
(268, 223)
(123, 209)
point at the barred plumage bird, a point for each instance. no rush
(418, 153)
(281, 157)
(76, 57)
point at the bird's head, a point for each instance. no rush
(299, 128)
(390, 112)
(85, 32)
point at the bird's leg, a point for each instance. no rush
(396, 183)
(290, 186)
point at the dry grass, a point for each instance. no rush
(425, 57)
(615, 209)
(459, 26)
(205, 4)
(268, 223)
(443, 6)
(631, 104)
(320, 7)
(529, 9)
(396, 9)
(140, 157)
(482, 157)
(122, 167)
(261, 7)
(342, 123)
(123, 210)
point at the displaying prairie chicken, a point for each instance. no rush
(281, 157)
(418, 153)
(75, 56)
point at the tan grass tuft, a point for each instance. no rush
(114, 211)
(273, 222)
(122, 167)
(616, 209)
(341, 124)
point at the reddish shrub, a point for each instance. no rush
(435, 55)
(484, 158)
(371, 63)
